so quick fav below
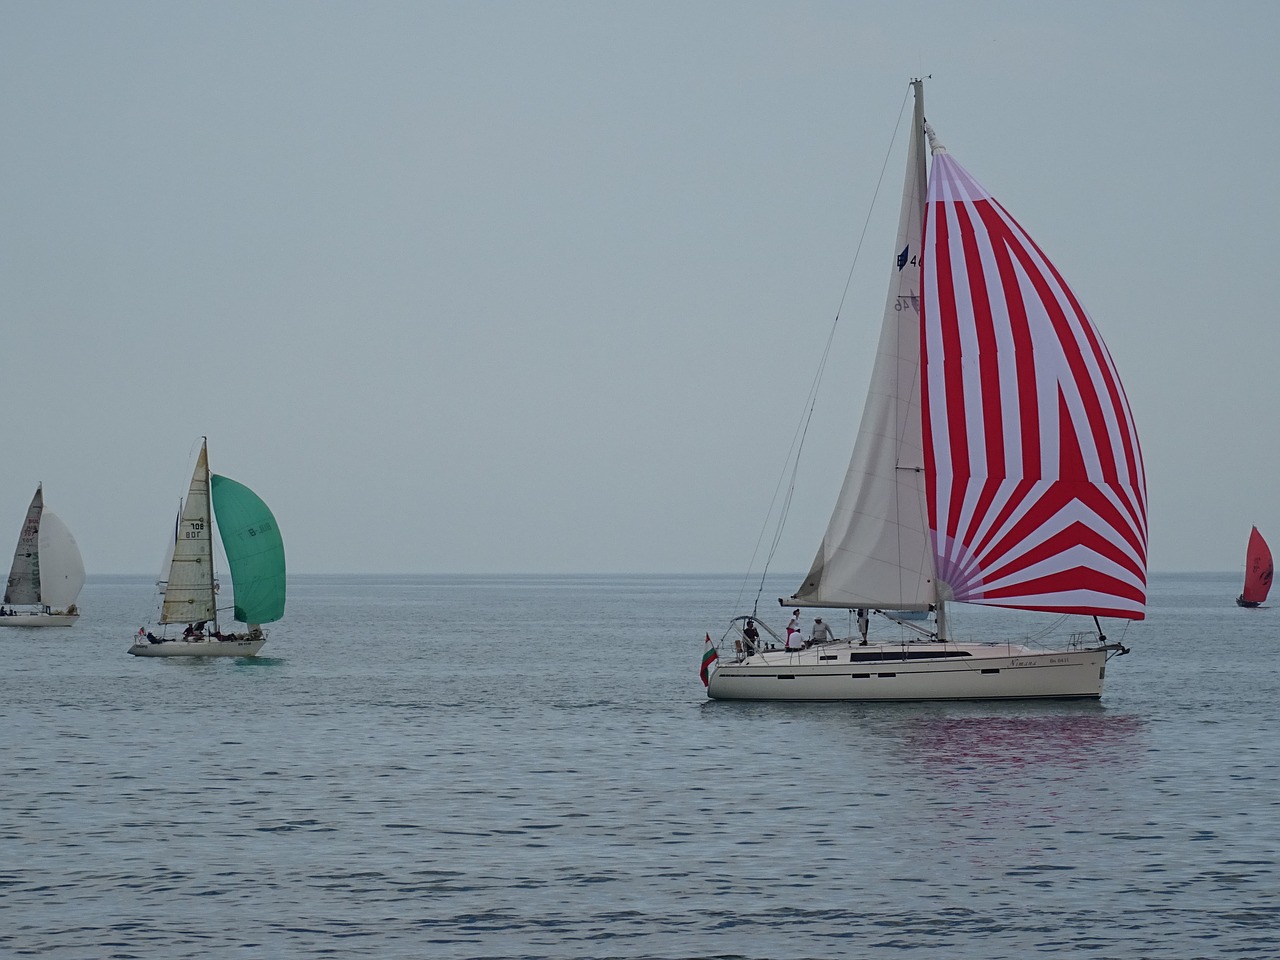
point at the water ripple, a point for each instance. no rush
(505, 796)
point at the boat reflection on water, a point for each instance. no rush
(1041, 745)
(1034, 785)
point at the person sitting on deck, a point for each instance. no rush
(821, 632)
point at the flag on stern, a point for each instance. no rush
(709, 657)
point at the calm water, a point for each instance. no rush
(527, 767)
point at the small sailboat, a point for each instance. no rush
(255, 552)
(997, 463)
(1257, 571)
(47, 573)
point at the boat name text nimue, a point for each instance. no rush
(1041, 661)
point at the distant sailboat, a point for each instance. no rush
(47, 573)
(997, 463)
(1257, 571)
(255, 552)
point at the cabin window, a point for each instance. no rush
(991, 670)
(898, 656)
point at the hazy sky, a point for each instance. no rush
(541, 287)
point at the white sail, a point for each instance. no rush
(188, 594)
(876, 551)
(61, 566)
(163, 579)
(24, 575)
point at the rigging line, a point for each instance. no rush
(797, 441)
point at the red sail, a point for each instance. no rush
(1036, 491)
(1257, 569)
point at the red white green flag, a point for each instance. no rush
(709, 657)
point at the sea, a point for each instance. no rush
(528, 767)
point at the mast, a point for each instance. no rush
(917, 135)
(213, 574)
(919, 130)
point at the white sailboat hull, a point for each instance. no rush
(918, 671)
(198, 648)
(40, 620)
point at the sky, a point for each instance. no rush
(542, 287)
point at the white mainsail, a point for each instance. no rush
(23, 586)
(876, 551)
(188, 592)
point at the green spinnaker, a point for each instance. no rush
(254, 549)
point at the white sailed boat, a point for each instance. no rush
(47, 573)
(255, 553)
(997, 463)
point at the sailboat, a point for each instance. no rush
(47, 573)
(255, 552)
(997, 463)
(1257, 571)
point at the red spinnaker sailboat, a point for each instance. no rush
(1257, 571)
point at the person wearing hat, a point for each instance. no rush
(795, 639)
(821, 632)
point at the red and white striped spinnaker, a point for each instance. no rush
(1035, 485)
